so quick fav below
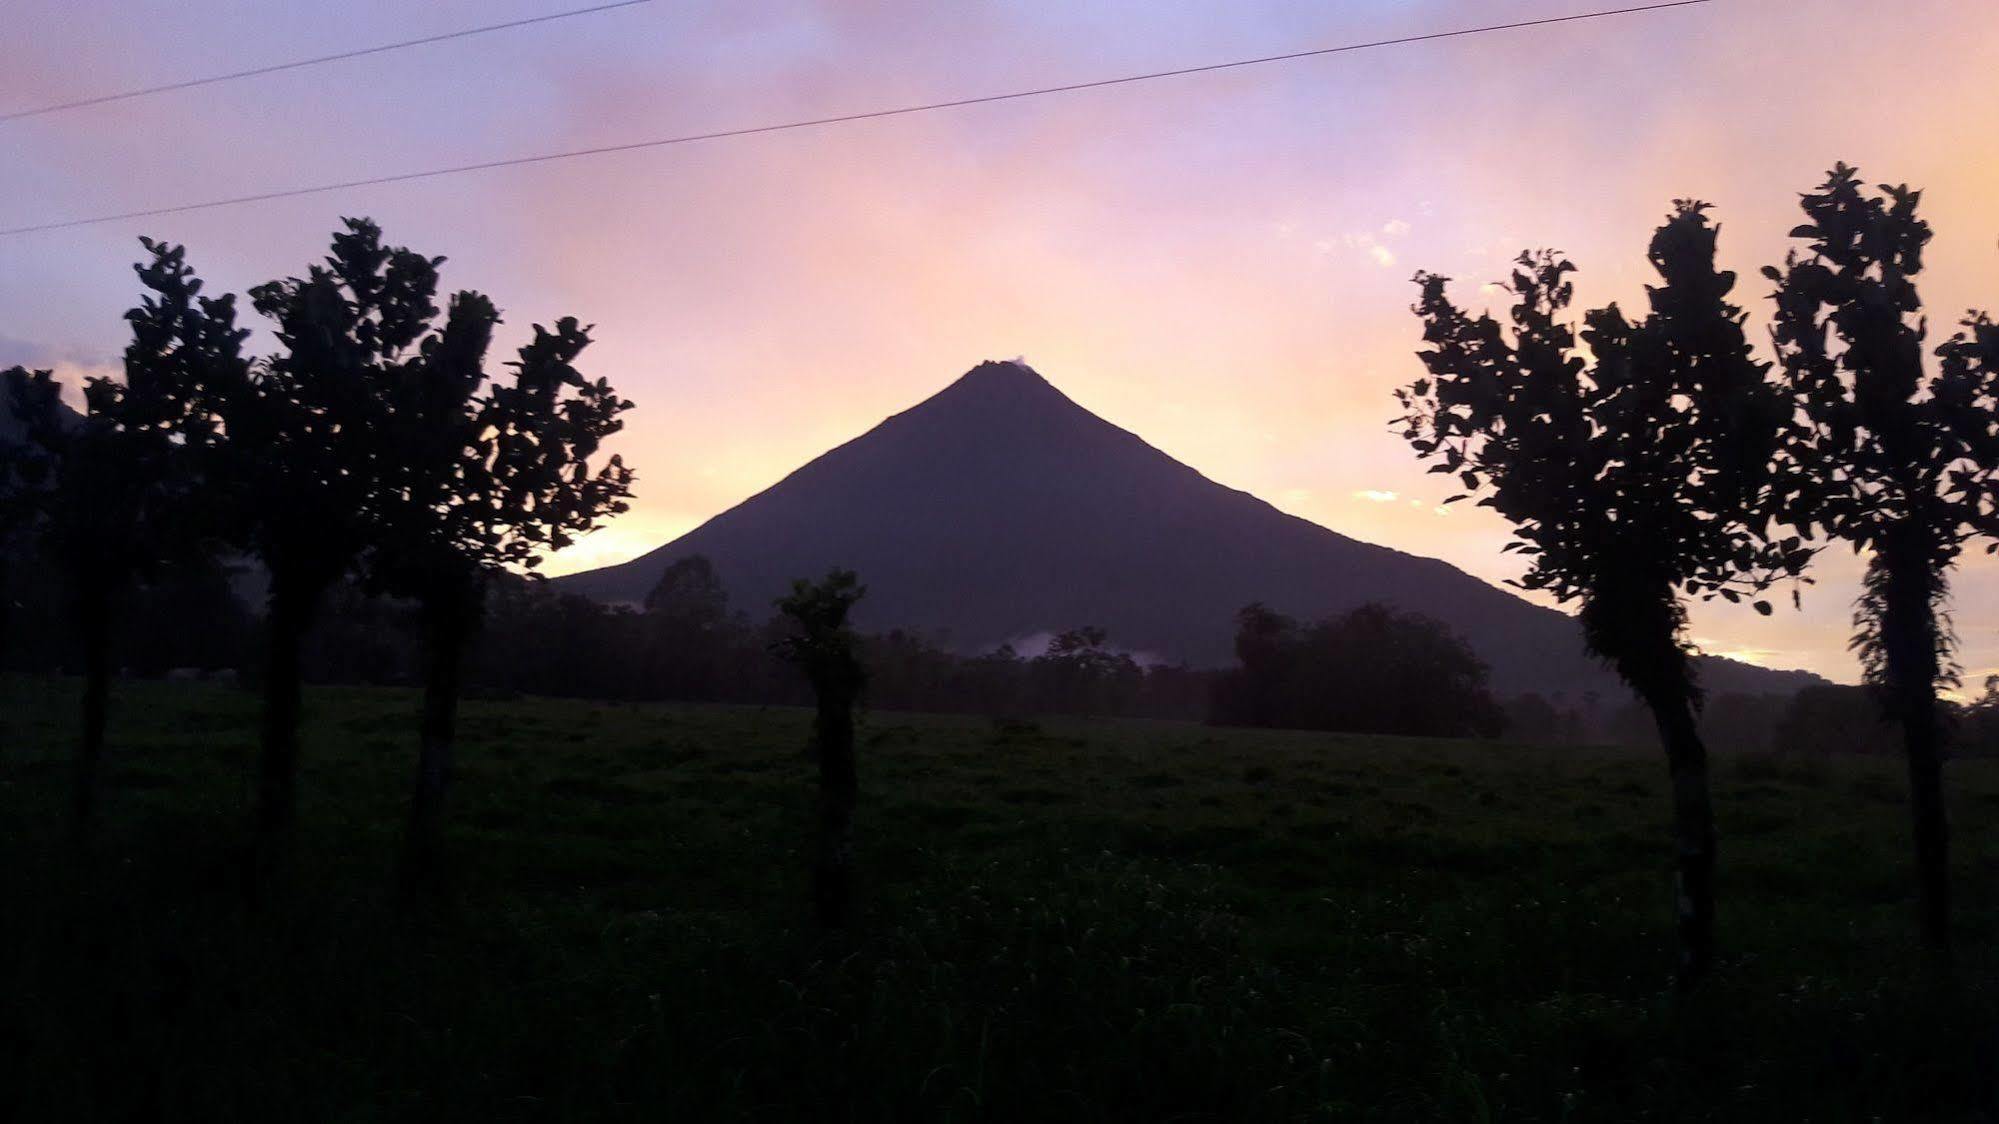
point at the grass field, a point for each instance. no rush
(1062, 920)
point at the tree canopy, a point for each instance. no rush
(1897, 458)
(1635, 470)
(1627, 473)
(1373, 670)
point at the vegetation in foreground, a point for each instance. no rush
(1067, 920)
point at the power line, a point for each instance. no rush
(870, 115)
(274, 68)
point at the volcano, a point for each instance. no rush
(998, 510)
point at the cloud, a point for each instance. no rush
(1760, 657)
(1396, 228)
(15, 351)
(1375, 495)
(1368, 244)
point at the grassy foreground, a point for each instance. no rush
(1063, 920)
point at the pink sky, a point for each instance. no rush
(1220, 263)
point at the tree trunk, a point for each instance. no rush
(832, 874)
(445, 629)
(93, 619)
(1932, 829)
(1909, 646)
(277, 760)
(1693, 831)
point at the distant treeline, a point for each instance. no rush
(685, 643)
(1372, 670)
(1812, 722)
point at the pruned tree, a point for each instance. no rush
(1633, 477)
(1898, 459)
(116, 487)
(823, 647)
(295, 458)
(479, 475)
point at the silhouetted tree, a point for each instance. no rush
(1830, 719)
(823, 647)
(476, 476)
(1900, 461)
(540, 640)
(1629, 481)
(185, 615)
(1081, 674)
(297, 457)
(95, 511)
(690, 636)
(1979, 730)
(1532, 718)
(1742, 723)
(690, 593)
(1266, 645)
(1371, 670)
(115, 505)
(357, 636)
(25, 472)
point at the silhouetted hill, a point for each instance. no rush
(998, 509)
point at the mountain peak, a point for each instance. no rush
(1000, 379)
(999, 371)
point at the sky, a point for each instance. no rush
(1220, 263)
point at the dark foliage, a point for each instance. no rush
(691, 646)
(113, 484)
(1632, 477)
(24, 474)
(1897, 459)
(1374, 670)
(293, 466)
(474, 476)
(1533, 717)
(183, 621)
(1820, 720)
(822, 646)
(686, 643)
(1978, 724)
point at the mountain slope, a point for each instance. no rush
(998, 509)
